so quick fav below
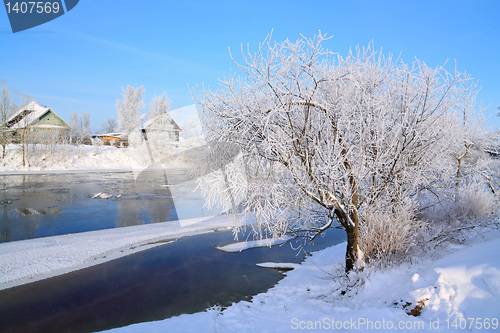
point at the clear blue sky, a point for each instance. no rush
(79, 61)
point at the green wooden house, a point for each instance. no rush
(36, 123)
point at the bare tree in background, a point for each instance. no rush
(6, 108)
(327, 138)
(109, 126)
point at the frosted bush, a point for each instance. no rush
(458, 214)
(387, 236)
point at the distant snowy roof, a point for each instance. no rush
(162, 120)
(28, 115)
(116, 135)
(47, 126)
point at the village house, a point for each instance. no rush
(162, 126)
(112, 139)
(159, 129)
(35, 123)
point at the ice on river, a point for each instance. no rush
(35, 259)
(101, 195)
(240, 246)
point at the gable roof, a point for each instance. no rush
(161, 121)
(29, 115)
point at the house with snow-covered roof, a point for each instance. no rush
(36, 122)
(162, 126)
(160, 129)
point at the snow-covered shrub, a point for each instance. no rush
(387, 236)
(97, 143)
(46, 148)
(475, 202)
(471, 212)
(138, 149)
(45, 155)
(459, 212)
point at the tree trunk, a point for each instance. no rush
(351, 255)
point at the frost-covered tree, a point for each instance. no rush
(468, 124)
(109, 126)
(129, 109)
(85, 125)
(159, 106)
(79, 127)
(74, 124)
(328, 138)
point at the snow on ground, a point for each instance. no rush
(240, 246)
(460, 292)
(69, 157)
(65, 158)
(35, 259)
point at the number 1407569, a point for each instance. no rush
(30, 7)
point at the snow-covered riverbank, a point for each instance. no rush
(35, 259)
(63, 158)
(70, 158)
(459, 292)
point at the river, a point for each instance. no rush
(40, 205)
(187, 276)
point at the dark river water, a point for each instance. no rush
(187, 276)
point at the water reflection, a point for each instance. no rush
(40, 205)
(32, 211)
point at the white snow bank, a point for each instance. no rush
(68, 157)
(279, 265)
(461, 288)
(465, 284)
(240, 246)
(35, 259)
